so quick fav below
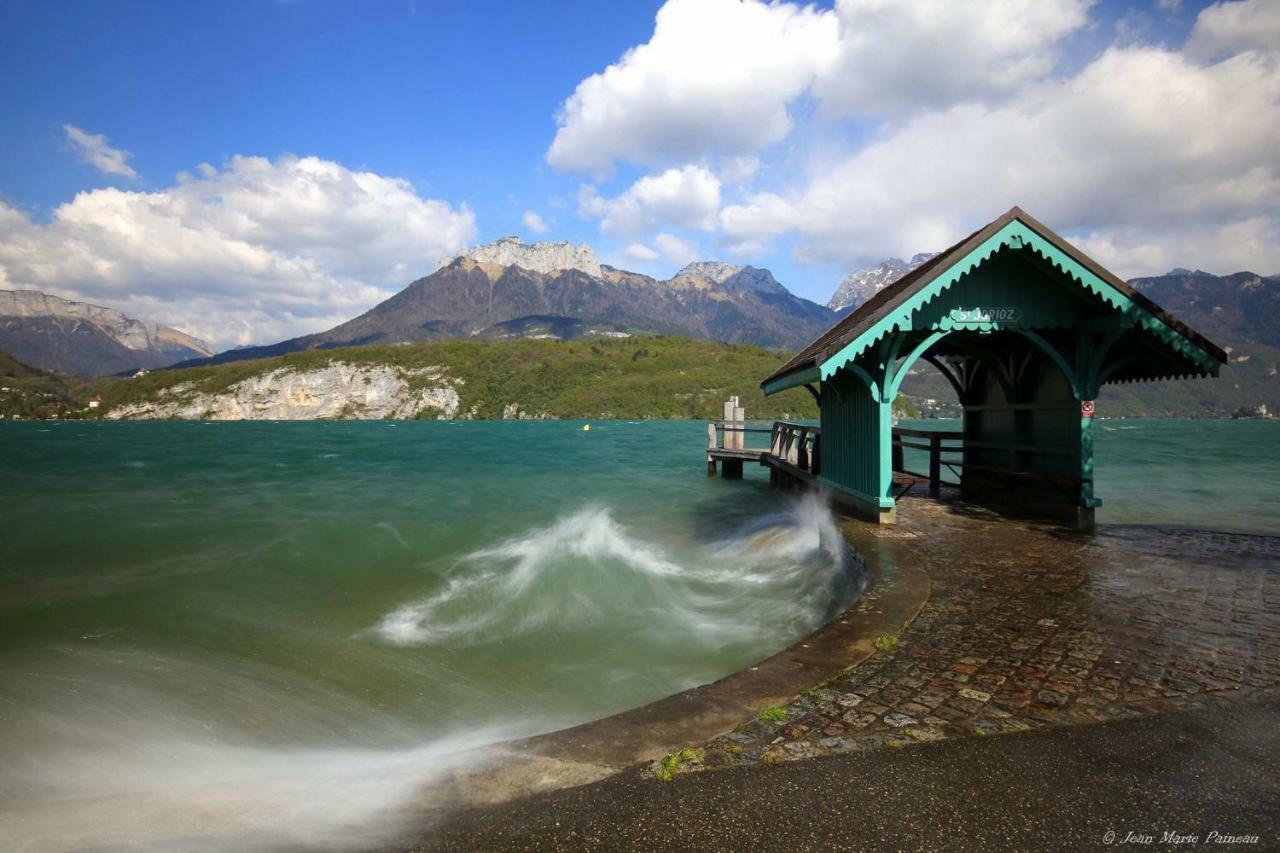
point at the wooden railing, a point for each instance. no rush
(732, 435)
(798, 444)
(945, 448)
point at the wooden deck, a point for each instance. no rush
(746, 454)
(789, 442)
(794, 451)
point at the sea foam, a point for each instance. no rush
(782, 571)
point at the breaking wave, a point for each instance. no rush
(119, 743)
(780, 574)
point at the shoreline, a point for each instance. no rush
(1050, 632)
(896, 591)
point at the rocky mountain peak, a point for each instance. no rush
(76, 337)
(541, 257)
(732, 276)
(716, 271)
(859, 286)
(128, 332)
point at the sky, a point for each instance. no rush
(250, 170)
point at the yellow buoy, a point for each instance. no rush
(586, 427)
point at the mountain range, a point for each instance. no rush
(84, 339)
(512, 289)
(859, 286)
(509, 289)
(1239, 312)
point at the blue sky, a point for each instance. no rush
(268, 168)
(457, 98)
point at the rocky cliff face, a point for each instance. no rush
(336, 391)
(857, 287)
(730, 276)
(90, 340)
(536, 257)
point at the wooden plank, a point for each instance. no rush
(733, 453)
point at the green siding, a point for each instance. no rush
(851, 428)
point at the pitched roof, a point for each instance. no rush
(888, 299)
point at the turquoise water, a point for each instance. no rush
(303, 621)
(1219, 474)
(187, 604)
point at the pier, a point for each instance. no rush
(793, 453)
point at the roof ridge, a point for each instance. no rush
(856, 322)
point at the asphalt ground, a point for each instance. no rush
(1120, 785)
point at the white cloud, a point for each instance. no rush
(1246, 244)
(590, 203)
(1225, 28)
(688, 197)
(253, 252)
(747, 250)
(1141, 138)
(676, 250)
(640, 253)
(899, 55)
(534, 222)
(962, 110)
(716, 77)
(738, 170)
(94, 150)
(764, 215)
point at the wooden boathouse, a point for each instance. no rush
(1026, 328)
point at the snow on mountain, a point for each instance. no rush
(857, 287)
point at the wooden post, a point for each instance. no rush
(711, 435)
(740, 422)
(935, 463)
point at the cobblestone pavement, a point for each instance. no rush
(1029, 626)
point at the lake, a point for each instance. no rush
(191, 604)
(311, 617)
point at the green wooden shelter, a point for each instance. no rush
(1026, 328)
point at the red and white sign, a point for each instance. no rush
(1086, 408)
